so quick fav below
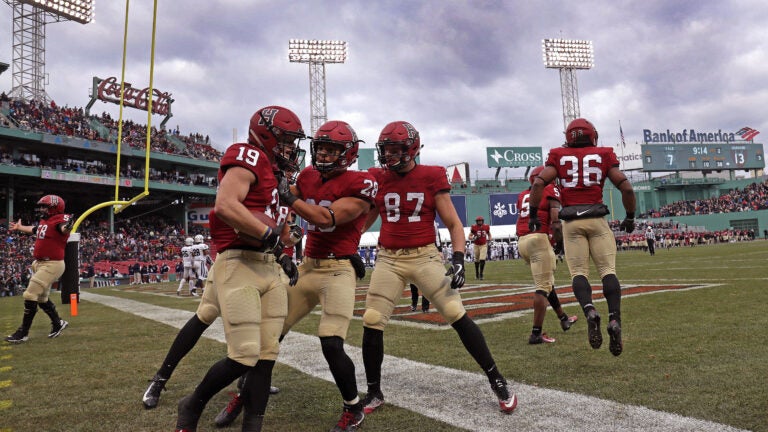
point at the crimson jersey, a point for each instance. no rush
(551, 192)
(340, 240)
(481, 233)
(406, 204)
(262, 195)
(49, 241)
(582, 172)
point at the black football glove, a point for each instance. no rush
(290, 269)
(284, 191)
(628, 224)
(358, 264)
(559, 248)
(457, 270)
(295, 232)
(534, 224)
(271, 240)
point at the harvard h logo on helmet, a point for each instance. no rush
(580, 133)
(404, 134)
(341, 135)
(277, 130)
(49, 205)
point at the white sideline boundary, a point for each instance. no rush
(459, 398)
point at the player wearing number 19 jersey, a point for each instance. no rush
(409, 197)
(582, 168)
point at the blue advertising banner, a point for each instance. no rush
(460, 203)
(503, 208)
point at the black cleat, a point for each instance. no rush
(614, 331)
(593, 328)
(230, 412)
(152, 395)
(17, 337)
(507, 400)
(57, 329)
(351, 418)
(187, 418)
(373, 401)
(567, 323)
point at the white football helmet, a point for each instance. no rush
(199, 238)
(188, 241)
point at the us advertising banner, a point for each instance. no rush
(503, 208)
(460, 202)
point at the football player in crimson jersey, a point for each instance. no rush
(247, 283)
(582, 168)
(536, 250)
(480, 235)
(51, 235)
(334, 201)
(409, 197)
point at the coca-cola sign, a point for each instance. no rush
(108, 90)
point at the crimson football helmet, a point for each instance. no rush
(48, 206)
(535, 172)
(278, 132)
(580, 133)
(341, 135)
(403, 133)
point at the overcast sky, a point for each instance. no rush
(466, 74)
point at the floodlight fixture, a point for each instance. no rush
(3, 67)
(29, 20)
(568, 55)
(75, 10)
(317, 53)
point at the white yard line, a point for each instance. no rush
(459, 398)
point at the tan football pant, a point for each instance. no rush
(422, 266)
(45, 273)
(480, 252)
(585, 238)
(537, 252)
(248, 290)
(329, 282)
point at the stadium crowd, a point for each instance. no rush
(56, 120)
(752, 197)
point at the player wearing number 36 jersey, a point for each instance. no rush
(582, 168)
(409, 197)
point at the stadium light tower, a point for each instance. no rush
(29, 19)
(568, 55)
(317, 53)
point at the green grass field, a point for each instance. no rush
(698, 353)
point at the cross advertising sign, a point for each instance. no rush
(502, 157)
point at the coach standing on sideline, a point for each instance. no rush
(51, 235)
(582, 168)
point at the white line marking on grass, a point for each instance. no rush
(462, 399)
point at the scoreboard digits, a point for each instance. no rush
(698, 157)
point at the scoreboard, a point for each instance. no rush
(702, 157)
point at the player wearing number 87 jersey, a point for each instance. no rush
(582, 168)
(409, 197)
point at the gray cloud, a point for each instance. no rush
(466, 74)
